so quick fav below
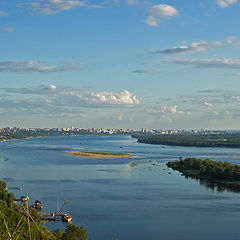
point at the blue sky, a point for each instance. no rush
(120, 64)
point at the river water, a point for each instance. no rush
(114, 198)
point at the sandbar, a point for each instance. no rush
(98, 154)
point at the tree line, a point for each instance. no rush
(191, 140)
(207, 167)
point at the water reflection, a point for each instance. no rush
(215, 186)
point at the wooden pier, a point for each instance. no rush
(57, 216)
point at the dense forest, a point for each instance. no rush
(191, 140)
(219, 172)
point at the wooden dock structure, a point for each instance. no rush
(57, 216)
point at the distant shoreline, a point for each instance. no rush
(191, 140)
(98, 154)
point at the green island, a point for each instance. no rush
(192, 140)
(98, 154)
(223, 173)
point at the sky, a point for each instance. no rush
(120, 64)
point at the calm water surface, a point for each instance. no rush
(113, 199)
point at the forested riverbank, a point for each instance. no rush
(191, 140)
(223, 173)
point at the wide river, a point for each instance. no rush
(113, 198)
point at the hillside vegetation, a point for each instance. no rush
(24, 223)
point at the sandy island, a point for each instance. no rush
(98, 154)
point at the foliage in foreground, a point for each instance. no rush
(17, 222)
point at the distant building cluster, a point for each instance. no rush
(9, 133)
(182, 131)
(66, 130)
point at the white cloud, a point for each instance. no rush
(169, 110)
(3, 13)
(194, 47)
(152, 21)
(207, 104)
(233, 40)
(66, 96)
(158, 12)
(227, 113)
(236, 98)
(162, 10)
(124, 98)
(53, 6)
(7, 29)
(207, 63)
(34, 66)
(226, 3)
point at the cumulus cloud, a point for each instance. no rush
(7, 29)
(158, 12)
(226, 3)
(53, 6)
(207, 63)
(3, 13)
(194, 47)
(122, 98)
(67, 96)
(167, 112)
(34, 66)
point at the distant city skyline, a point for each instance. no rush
(120, 64)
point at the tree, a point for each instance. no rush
(74, 232)
(58, 234)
